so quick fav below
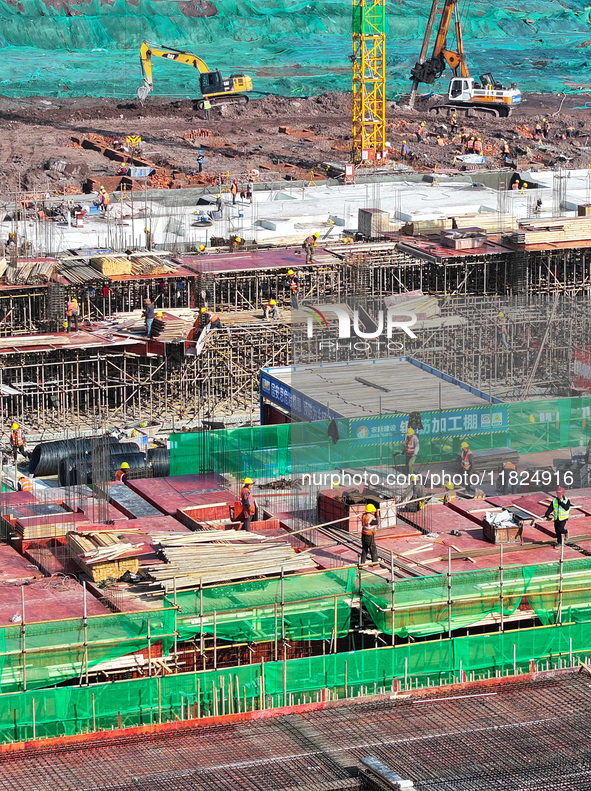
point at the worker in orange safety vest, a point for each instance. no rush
(25, 484)
(121, 476)
(411, 449)
(369, 525)
(247, 503)
(72, 313)
(17, 442)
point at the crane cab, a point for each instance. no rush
(213, 85)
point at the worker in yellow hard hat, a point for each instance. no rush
(369, 525)
(159, 314)
(411, 449)
(247, 502)
(210, 318)
(450, 495)
(72, 313)
(218, 204)
(122, 169)
(466, 463)
(201, 249)
(17, 442)
(270, 310)
(121, 476)
(235, 244)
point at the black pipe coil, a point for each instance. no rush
(159, 460)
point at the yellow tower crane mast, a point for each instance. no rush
(369, 80)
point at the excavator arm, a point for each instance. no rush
(427, 70)
(147, 51)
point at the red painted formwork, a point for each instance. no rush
(50, 599)
(15, 567)
(194, 483)
(161, 494)
(50, 555)
(536, 503)
(243, 261)
(10, 499)
(91, 508)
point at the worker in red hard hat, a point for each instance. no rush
(559, 510)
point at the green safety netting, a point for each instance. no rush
(70, 710)
(421, 604)
(316, 606)
(56, 651)
(299, 448)
(289, 46)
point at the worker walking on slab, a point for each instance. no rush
(309, 244)
(148, 315)
(121, 476)
(247, 503)
(559, 510)
(411, 450)
(211, 319)
(72, 313)
(270, 310)
(293, 282)
(17, 443)
(369, 525)
(466, 463)
(234, 191)
(219, 206)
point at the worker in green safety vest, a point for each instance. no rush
(559, 510)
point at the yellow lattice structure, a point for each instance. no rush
(369, 79)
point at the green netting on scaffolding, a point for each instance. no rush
(41, 654)
(315, 606)
(290, 47)
(323, 445)
(69, 710)
(420, 606)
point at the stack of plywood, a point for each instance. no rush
(565, 229)
(142, 264)
(102, 555)
(212, 556)
(113, 264)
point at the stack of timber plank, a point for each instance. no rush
(212, 556)
(564, 229)
(102, 555)
(113, 264)
(142, 264)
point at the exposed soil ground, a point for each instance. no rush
(37, 151)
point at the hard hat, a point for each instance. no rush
(247, 481)
(124, 466)
(64, 323)
(74, 300)
(422, 123)
(449, 485)
(203, 310)
(501, 315)
(238, 239)
(410, 431)
(14, 426)
(370, 509)
(202, 247)
(525, 183)
(218, 195)
(201, 151)
(272, 302)
(122, 164)
(159, 314)
(560, 491)
(317, 234)
(464, 445)
(404, 141)
(544, 120)
(146, 230)
(290, 272)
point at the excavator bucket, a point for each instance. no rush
(142, 93)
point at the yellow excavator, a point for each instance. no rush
(484, 97)
(214, 88)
